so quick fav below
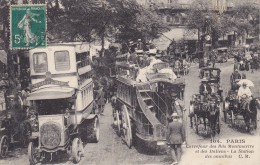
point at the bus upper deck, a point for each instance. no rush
(65, 62)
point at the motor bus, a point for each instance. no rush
(61, 101)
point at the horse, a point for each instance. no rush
(211, 112)
(213, 118)
(250, 114)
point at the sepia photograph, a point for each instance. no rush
(129, 82)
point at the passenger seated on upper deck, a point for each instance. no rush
(132, 59)
(141, 77)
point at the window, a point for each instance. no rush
(52, 107)
(40, 63)
(62, 60)
(83, 59)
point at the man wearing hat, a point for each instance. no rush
(175, 137)
(204, 87)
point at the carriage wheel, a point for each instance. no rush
(255, 124)
(118, 124)
(224, 111)
(76, 150)
(4, 145)
(126, 127)
(33, 153)
(191, 122)
(196, 123)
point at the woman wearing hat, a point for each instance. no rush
(244, 95)
(175, 137)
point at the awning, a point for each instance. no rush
(3, 57)
(51, 93)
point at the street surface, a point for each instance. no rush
(111, 150)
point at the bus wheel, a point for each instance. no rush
(76, 150)
(34, 154)
(4, 145)
(126, 127)
(93, 130)
(118, 124)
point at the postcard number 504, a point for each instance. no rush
(215, 141)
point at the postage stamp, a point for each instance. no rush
(28, 26)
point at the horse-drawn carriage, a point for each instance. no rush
(143, 104)
(235, 78)
(15, 125)
(235, 113)
(204, 111)
(212, 75)
(205, 107)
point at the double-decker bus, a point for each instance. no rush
(62, 97)
(144, 100)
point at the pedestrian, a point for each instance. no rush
(213, 58)
(24, 95)
(177, 65)
(175, 137)
(114, 102)
(100, 100)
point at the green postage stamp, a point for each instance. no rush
(28, 26)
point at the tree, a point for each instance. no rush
(134, 21)
(86, 20)
(243, 19)
(201, 17)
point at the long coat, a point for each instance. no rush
(175, 133)
(100, 97)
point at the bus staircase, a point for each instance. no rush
(151, 119)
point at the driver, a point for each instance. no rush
(205, 87)
(236, 75)
(244, 95)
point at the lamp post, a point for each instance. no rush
(207, 35)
